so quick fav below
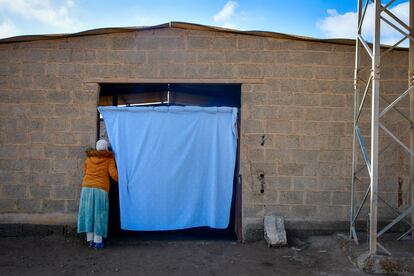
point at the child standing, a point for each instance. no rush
(93, 208)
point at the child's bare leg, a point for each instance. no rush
(89, 236)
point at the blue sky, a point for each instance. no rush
(315, 18)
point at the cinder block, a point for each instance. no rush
(344, 87)
(316, 46)
(290, 197)
(267, 169)
(290, 169)
(64, 165)
(332, 156)
(172, 70)
(40, 165)
(253, 98)
(124, 42)
(7, 205)
(237, 56)
(336, 213)
(83, 124)
(304, 156)
(171, 42)
(12, 191)
(302, 99)
(252, 126)
(300, 72)
(199, 42)
(342, 114)
(280, 98)
(69, 69)
(224, 42)
(52, 151)
(84, 56)
(304, 211)
(277, 155)
(145, 42)
(272, 44)
(287, 141)
(172, 56)
(341, 198)
(14, 164)
(256, 155)
(271, 70)
(53, 206)
(66, 109)
(342, 58)
(40, 192)
(19, 137)
(278, 126)
(48, 178)
(28, 205)
(76, 152)
(307, 183)
(37, 152)
(39, 110)
(65, 192)
(39, 137)
(317, 58)
(253, 210)
(33, 69)
(334, 183)
(278, 183)
(196, 70)
(332, 100)
(318, 198)
(210, 56)
(259, 140)
(264, 112)
(250, 43)
(249, 71)
(56, 124)
(45, 82)
(64, 138)
(318, 114)
(221, 70)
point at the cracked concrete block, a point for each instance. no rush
(274, 231)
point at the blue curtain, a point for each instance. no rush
(175, 164)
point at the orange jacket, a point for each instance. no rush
(99, 165)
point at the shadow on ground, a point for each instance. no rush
(56, 254)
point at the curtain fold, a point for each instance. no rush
(175, 164)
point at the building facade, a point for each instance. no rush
(295, 131)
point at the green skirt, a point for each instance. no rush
(93, 211)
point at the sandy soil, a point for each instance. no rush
(59, 255)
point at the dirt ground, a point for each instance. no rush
(59, 255)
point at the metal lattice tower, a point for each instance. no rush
(382, 13)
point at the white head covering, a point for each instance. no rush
(102, 145)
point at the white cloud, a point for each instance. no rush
(344, 25)
(226, 12)
(8, 29)
(45, 11)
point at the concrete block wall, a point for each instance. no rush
(296, 127)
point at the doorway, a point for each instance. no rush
(181, 94)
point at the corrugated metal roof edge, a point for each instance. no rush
(180, 25)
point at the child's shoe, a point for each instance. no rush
(99, 245)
